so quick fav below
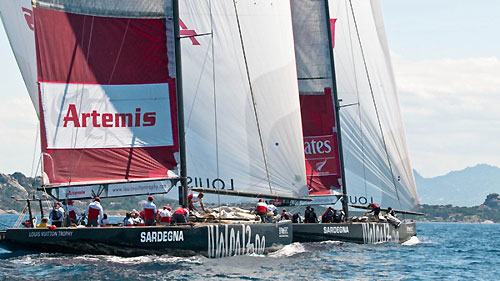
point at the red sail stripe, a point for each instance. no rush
(119, 50)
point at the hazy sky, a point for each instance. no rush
(446, 57)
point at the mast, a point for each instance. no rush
(180, 108)
(345, 203)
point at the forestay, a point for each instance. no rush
(374, 143)
(106, 73)
(243, 127)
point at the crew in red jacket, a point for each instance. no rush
(94, 212)
(375, 209)
(149, 212)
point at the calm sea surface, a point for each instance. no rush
(443, 251)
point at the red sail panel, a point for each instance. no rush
(108, 98)
(320, 144)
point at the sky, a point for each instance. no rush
(446, 57)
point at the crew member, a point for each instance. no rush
(261, 210)
(70, 212)
(272, 208)
(307, 215)
(285, 215)
(165, 215)
(94, 212)
(391, 217)
(104, 221)
(149, 212)
(138, 218)
(375, 209)
(328, 215)
(195, 198)
(181, 215)
(128, 221)
(57, 215)
(44, 222)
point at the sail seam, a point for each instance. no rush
(374, 103)
(253, 97)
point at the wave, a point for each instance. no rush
(412, 241)
(289, 250)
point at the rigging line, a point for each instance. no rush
(34, 149)
(119, 51)
(215, 106)
(197, 87)
(374, 102)
(253, 97)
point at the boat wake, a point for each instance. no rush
(412, 241)
(289, 250)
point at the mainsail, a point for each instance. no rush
(17, 18)
(375, 150)
(106, 74)
(243, 127)
(375, 154)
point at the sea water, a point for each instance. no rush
(442, 251)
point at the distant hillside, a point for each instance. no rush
(18, 185)
(467, 187)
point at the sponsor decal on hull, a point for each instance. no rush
(335, 229)
(59, 233)
(379, 233)
(162, 236)
(224, 241)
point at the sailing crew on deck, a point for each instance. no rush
(57, 215)
(71, 213)
(285, 215)
(328, 216)
(271, 208)
(310, 216)
(181, 215)
(375, 209)
(128, 221)
(138, 218)
(104, 221)
(44, 222)
(94, 212)
(261, 210)
(165, 215)
(195, 198)
(149, 212)
(391, 217)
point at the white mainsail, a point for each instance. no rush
(17, 18)
(236, 141)
(374, 142)
(376, 162)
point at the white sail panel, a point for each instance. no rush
(17, 18)
(224, 149)
(374, 143)
(106, 116)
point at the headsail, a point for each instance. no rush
(17, 18)
(375, 151)
(106, 73)
(316, 85)
(243, 128)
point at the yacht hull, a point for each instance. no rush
(356, 232)
(211, 240)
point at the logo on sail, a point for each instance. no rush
(96, 119)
